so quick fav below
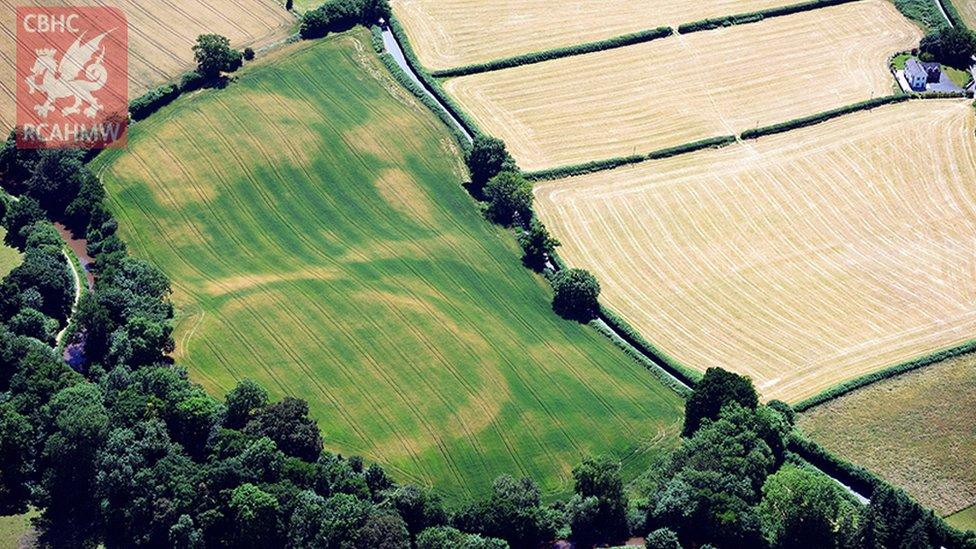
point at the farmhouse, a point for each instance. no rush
(916, 75)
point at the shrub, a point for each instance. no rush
(537, 245)
(717, 389)
(576, 294)
(191, 81)
(662, 538)
(548, 55)
(153, 100)
(509, 197)
(488, 158)
(248, 53)
(342, 15)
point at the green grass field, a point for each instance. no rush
(963, 520)
(13, 528)
(311, 219)
(9, 257)
(915, 431)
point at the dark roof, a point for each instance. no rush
(932, 67)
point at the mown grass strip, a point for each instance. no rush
(823, 116)
(611, 163)
(892, 371)
(756, 16)
(557, 53)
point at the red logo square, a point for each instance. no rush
(72, 77)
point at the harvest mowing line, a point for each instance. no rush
(611, 205)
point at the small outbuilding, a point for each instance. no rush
(916, 75)
(934, 71)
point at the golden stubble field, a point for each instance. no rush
(161, 33)
(803, 259)
(681, 89)
(967, 9)
(916, 431)
(451, 33)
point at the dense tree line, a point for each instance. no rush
(342, 15)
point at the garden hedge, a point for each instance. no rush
(823, 116)
(755, 16)
(557, 53)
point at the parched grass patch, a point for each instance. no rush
(915, 431)
(312, 220)
(802, 259)
(967, 11)
(647, 97)
(161, 35)
(452, 33)
(9, 257)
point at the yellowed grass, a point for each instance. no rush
(966, 9)
(802, 259)
(916, 431)
(161, 33)
(681, 89)
(450, 33)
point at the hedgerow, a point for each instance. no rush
(686, 375)
(429, 82)
(756, 16)
(953, 13)
(864, 481)
(923, 12)
(557, 53)
(893, 371)
(153, 100)
(404, 80)
(823, 116)
(585, 168)
(610, 163)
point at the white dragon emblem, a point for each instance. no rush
(79, 73)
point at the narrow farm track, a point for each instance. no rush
(668, 92)
(803, 259)
(311, 219)
(161, 35)
(450, 33)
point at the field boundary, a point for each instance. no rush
(621, 41)
(671, 373)
(757, 16)
(624, 40)
(896, 370)
(951, 14)
(856, 477)
(571, 170)
(429, 82)
(824, 116)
